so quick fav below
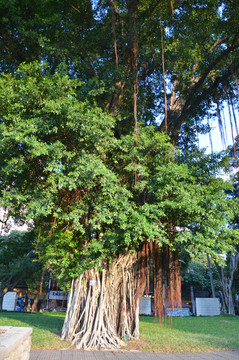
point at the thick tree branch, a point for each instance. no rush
(198, 98)
(176, 118)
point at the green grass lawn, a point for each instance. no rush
(46, 328)
(189, 334)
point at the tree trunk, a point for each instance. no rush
(38, 295)
(193, 300)
(211, 277)
(226, 284)
(226, 281)
(1, 296)
(103, 306)
(2, 293)
(35, 302)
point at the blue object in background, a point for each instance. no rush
(20, 303)
(178, 312)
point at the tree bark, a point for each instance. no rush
(226, 281)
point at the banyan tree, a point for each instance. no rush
(101, 103)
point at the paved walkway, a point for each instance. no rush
(123, 355)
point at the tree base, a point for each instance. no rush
(103, 307)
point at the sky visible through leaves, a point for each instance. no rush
(217, 144)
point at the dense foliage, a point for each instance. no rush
(92, 194)
(132, 54)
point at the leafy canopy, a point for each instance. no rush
(92, 194)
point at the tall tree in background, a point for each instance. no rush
(82, 160)
(229, 267)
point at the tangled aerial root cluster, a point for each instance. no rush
(103, 307)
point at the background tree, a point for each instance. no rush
(198, 275)
(228, 269)
(18, 263)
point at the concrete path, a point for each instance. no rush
(123, 355)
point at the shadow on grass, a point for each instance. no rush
(52, 322)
